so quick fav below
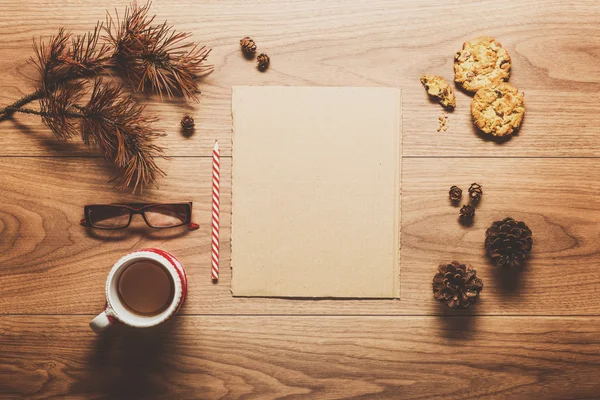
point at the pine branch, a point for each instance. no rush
(154, 58)
(115, 123)
(10, 109)
(31, 111)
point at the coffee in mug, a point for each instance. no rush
(143, 289)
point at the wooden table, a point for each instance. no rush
(534, 334)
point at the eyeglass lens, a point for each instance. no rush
(113, 217)
(166, 215)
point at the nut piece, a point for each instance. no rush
(437, 87)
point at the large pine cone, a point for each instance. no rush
(456, 285)
(508, 242)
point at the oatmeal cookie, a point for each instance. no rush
(481, 62)
(498, 110)
(437, 87)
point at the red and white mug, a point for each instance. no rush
(115, 311)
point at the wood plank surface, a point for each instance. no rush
(318, 358)
(348, 43)
(45, 249)
(533, 334)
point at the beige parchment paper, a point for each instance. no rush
(316, 192)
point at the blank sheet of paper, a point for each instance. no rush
(316, 192)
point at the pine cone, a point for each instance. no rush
(456, 284)
(475, 192)
(508, 242)
(187, 123)
(455, 193)
(263, 61)
(467, 212)
(248, 47)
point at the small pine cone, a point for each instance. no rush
(248, 46)
(508, 242)
(455, 193)
(467, 212)
(475, 192)
(187, 123)
(263, 61)
(456, 284)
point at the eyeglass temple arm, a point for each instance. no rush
(83, 222)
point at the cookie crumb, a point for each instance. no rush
(442, 123)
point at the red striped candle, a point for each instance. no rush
(215, 213)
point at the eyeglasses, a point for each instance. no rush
(156, 215)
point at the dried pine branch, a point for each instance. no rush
(115, 123)
(86, 56)
(59, 112)
(170, 64)
(153, 57)
(156, 57)
(57, 62)
(128, 37)
(111, 121)
(51, 70)
(49, 60)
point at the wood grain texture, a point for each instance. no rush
(318, 358)
(534, 334)
(44, 248)
(555, 198)
(349, 43)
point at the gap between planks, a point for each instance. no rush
(321, 315)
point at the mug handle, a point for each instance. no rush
(102, 321)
